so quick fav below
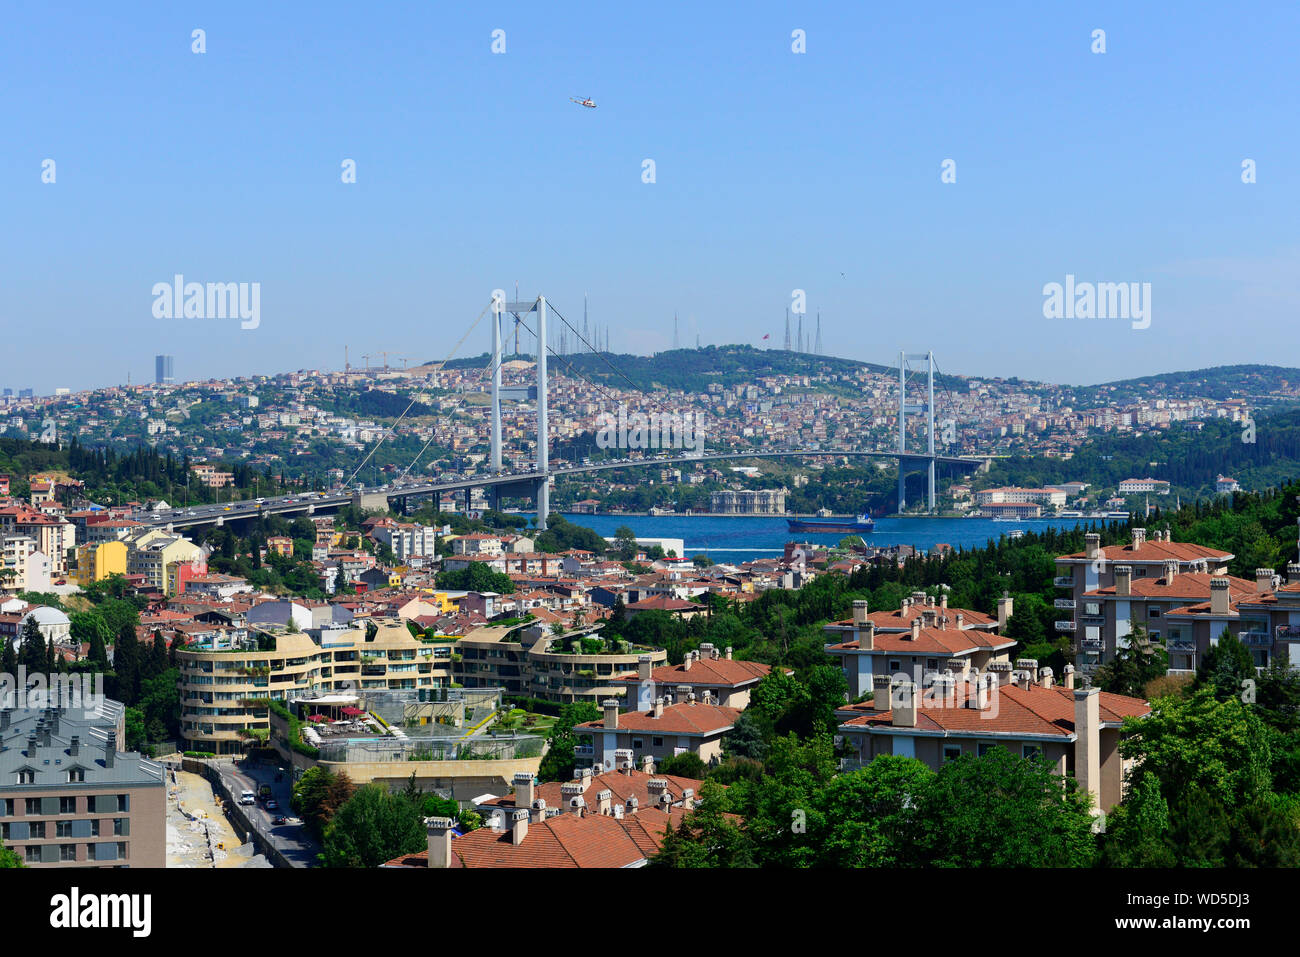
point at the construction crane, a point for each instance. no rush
(366, 356)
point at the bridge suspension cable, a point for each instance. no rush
(438, 368)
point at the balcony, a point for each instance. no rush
(1065, 604)
(1063, 581)
(1066, 626)
(1256, 639)
(1182, 646)
(1091, 644)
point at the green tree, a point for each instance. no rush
(373, 827)
(1133, 667)
(1001, 810)
(870, 815)
(1219, 747)
(8, 858)
(1225, 666)
(559, 764)
(685, 765)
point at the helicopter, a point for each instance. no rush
(584, 101)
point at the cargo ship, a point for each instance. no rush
(862, 524)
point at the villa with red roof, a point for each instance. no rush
(1075, 729)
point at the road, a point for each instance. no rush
(291, 840)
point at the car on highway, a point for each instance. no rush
(279, 819)
(272, 804)
(247, 797)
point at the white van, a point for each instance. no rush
(247, 797)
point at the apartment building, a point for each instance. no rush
(407, 540)
(22, 566)
(1146, 602)
(708, 671)
(1075, 729)
(932, 641)
(529, 660)
(152, 553)
(669, 727)
(54, 536)
(224, 693)
(211, 476)
(1266, 620)
(70, 798)
(1094, 568)
(98, 560)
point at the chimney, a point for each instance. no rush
(439, 830)
(644, 665)
(1123, 581)
(519, 827)
(916, 628)
(880, 687)
(1293, 574)
(4, 719)
(525, 792)
(74, 746)
(686, 662)
(708, 651)
(571, 796)
(31, 746)
(658, 790)
(623, 760)
(1092, 546)
(110, 749)
(690, 699)
(539, 812)
(632, 804)
(943, 602)
(904, 705)
(1005, 611)
(860, 616)
(56, 712)
(603, 801)
(1087, 743)
(727, 653)
(980, 700)
(584, 779)
(659, 708)
(867, 636)
(647, 764)
(611, 713)
(1068, 680)
(617, 812)
(1027, 664)
(1263, 579)
(1171, 570)
(1139, 538)
(1045, 677)
(1219, 595)
(961, 621)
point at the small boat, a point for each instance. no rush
(862, 525)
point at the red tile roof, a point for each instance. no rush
(689, 719)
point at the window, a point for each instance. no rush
(67, 805)
(895, 666)
(33, 855)
(76, 776)
(951, 752)
(1153, 611)
(63, 829)
(7, 807)
(37, 832)
(637, 744)
(26, 776)
(119, 826)
(1031, 751)
(932, 664)
(32, 806)
(985, 748)
(658, 742)
(122, 803)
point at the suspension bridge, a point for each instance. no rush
(534, 482)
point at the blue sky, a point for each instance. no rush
(775, 171)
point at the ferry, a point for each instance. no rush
(862, 524)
